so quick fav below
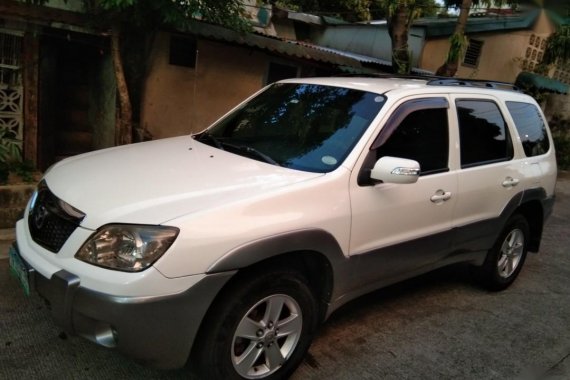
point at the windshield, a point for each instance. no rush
(299, 126)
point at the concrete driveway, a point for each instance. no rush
(439, 326)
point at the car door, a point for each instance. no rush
(399, 228)
(490, 176)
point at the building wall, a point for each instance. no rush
(180, 100)
(502, 55)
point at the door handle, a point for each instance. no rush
(510, 182)
(440, 196)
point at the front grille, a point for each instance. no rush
(49, 222)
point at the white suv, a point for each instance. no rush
(230, 246)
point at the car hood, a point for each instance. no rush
(154, 182)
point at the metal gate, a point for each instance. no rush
(11, 97)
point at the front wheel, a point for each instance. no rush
(261, 329)
(505, 260)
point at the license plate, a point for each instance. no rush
(19, 269)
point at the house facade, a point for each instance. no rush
(56, 82)
(500, 46)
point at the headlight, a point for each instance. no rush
(127, 247)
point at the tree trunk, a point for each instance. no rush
(398, 30)
(123, 131)
(449, 68)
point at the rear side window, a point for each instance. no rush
(483, 132)
(531, 128)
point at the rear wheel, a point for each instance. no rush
(261, 329)
(505, 260)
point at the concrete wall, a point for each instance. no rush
(501, 55)
(181, 100)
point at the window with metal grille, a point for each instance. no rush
(473, 53)
(10, 59)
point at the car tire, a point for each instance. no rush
(260, 328)
(505, 260)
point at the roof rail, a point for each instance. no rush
(388, 75)
(473, 83)
(434, 80)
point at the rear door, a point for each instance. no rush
(489, 176)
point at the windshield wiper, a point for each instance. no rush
(251, 152)
(259, 154)
(202, 137)
(205, 136)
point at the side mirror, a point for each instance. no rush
(395, 170)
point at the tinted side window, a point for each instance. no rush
(531, 128)
(421, 136)
(483, 132)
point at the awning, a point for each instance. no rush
(526, 80)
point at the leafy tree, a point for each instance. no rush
(457, 41)
(400, 15)
(133, 25)
(348, 10)
(380, 8)
(558, 46)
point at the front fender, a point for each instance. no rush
(315, 240)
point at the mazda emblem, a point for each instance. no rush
(40, 215)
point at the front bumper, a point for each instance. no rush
(158, 331)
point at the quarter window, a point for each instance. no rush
(531, 128)
(483, 133)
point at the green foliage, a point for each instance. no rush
(560, 129)
(152, 14)
(562, 144)
(382, 9)
(24, 169)
(483, 3)
(458, 43)
(349, 10)
(36, 2)
(558, 46)
(10, 146)
(11, 157)
(357, 10)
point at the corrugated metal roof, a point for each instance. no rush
(437, 27)
(355, 56)
(272, 44)
(299, 49)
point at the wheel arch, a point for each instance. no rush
(314, 254)
(533, 213)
